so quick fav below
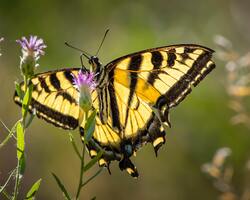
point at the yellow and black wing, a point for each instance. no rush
(54, 98)
(142, 87)
(164, 72)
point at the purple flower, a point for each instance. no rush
(33, 46)
(32, 49)
(85, 78)
(85, 83)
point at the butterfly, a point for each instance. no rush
(133, 97)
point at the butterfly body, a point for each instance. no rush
(133, 97)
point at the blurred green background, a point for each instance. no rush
(200, 124)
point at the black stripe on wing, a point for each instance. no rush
(115, 113)
(134, 65)
(156, 60)
(52, 116)
(55, 81)
(182, 87)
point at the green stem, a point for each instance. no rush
(25, 83)
(10, 134)
(16, 188)
(81, 173)
(82, 162)
(92, 177)
(17, 181)
(74, 146)
(2, 188)
(6, 195)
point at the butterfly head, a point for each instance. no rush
(95, 63)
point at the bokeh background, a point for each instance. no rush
(200, 125)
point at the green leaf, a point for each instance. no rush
(20, 147)
(71, 138)
(92, 177)
(20, 140)
(22, 164)
(26, 100)
(59, 183)
(19, 90)
(93, 161)
(89, 127)
(33, 190)
(29, 120)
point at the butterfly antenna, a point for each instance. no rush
(87, 55)
(106, 32)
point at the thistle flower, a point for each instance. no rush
(32, 49)
(1, 39)
(85, 83)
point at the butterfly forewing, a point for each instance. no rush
(168, 71)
